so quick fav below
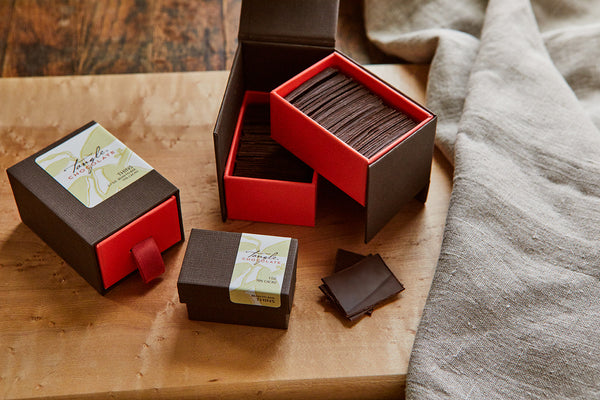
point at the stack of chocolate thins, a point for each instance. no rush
(259, 156)
(350, 111)
(359, 284)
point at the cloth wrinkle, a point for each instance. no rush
(514, 306)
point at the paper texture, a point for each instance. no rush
(93, 165)
(260, 264)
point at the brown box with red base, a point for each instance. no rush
(381, 183)
(267, 200)
(277, 40)
(96, 205)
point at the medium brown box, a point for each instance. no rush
(259, 198)
(238, 278)
(93, 205)
(381, 183)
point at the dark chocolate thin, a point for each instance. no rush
(259, 156)
(350, 111)
(309, 84)
(358, 288)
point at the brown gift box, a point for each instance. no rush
(206, 273)
(381, 183)
(279, 40)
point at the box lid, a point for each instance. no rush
(308, 22)
(208, 266)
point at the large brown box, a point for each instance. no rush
(206, 275)
(279, 40)
(96, 241)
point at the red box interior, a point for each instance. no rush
(114, 257)
(266, 200)
(324, 152)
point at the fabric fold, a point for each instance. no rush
(513, 309)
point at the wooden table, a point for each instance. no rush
(59, 337)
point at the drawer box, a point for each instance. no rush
(381, 183)
(276, 40)
(92, 200)
(281, 188)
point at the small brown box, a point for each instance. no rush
(209, 270)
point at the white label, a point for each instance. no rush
(93, 165)
(259, 269)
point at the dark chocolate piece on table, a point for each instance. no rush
(357, 289)
(343, 260)
(333, 300)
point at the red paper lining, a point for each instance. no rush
(266, 200)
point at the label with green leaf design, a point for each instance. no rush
(93, 165)
(259, 269)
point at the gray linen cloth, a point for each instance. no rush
(514, 308)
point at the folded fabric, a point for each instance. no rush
(514, 307)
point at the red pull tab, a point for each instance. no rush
(148, 260)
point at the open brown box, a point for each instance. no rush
(381, 183)
(281, 39)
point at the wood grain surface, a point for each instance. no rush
(74, 37)
(59, 337)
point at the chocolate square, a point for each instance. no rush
(345, 259)
(67, 225)
(357, 289)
